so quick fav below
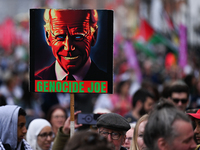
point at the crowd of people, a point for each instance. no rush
(166, 126)
(154, 105)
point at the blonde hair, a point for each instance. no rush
(134, 145)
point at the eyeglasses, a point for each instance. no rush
(114, 135)
(45, 135)
(183, 101)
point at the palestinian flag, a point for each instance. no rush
(145, 32)
(145, 38)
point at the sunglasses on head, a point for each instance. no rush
(183, 101)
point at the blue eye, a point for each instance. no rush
(78, 37)
(60, 37)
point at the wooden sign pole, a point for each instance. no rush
(72, 124)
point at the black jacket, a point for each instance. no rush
(123, 148)
(93, 74)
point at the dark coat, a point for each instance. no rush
(123, 148)
(93, 74)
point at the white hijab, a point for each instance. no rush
(33, 130)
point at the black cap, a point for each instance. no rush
(113, 121)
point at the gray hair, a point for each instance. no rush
(160, 124)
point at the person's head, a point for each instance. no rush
(143, 101)
(114, 127)
(71, 33)
(196, 118)
(10, 82)
(138, 142)
(151, 87)
(129, 137)
(56, 116)
(165, 92)
(168, 128)
(40, 134)
(13, 129)
(123, 87)
(179, 94)
(87, 140)
(21, 128)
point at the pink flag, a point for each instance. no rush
(132, 59)
(183, 46)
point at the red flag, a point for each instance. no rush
(144, 32)
(8, 34)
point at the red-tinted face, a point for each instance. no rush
(70, 37)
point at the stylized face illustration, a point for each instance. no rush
(70, 35)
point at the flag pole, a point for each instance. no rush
(72, 125)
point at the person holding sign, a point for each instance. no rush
(112, 126)
(71, 33)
